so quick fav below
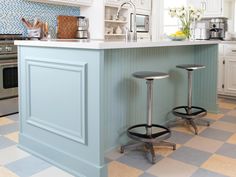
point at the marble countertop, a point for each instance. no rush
(100, 44)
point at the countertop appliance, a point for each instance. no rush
(8, 74)
(218, 27)
(82, 28)
(142, 23)
(202, 30)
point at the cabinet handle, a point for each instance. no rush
(233, 50)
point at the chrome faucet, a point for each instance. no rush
(133, 28)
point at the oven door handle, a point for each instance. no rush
(8, 64)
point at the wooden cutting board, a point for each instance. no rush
(66, 27)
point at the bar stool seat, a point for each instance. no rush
(149, 137)
(190, 67)
(189, 113)
(149, 75)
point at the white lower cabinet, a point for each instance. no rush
(227, 70)
(230, 75)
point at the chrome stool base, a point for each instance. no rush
(149, 147)
(147, 141)
(189, 116)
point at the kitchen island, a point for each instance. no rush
(78, 98)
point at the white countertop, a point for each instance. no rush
(99, 44)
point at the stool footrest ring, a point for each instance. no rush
(198, 113)
(164, 134)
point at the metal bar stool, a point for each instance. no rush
(149, 137)
(189, 113)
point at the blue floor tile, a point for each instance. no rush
(190, 156)
(206, 173)
(137, 159)
(228, 150)
(28, 166)
(216, 134)
(229, 119)
(9, 128)
(179, 137)
(147, 175)
(5, 142)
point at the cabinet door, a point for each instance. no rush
(221, 75)
(230, 73)
(144, 5)
(213, 8)
(195, 3)
(114, 2)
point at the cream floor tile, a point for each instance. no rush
(52, 172)
(232, 139)
(232, 113)
(13, 136)
(204, 144)
(221, 164)
(224, 126)
(4, 172)
(224, 105)
(214, 116)
(116, 169)
(11, 154)
(188, 129)
(172, 168)
(5, 121)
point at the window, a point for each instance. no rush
(171, 25)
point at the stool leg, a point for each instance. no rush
(150, 147)
(165, 143)
(189, 91)
(149, 106)
(133, 145)
(193, 124)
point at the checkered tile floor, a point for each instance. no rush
(210, 154)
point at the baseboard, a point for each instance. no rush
(65, 161)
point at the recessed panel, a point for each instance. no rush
(56, 98)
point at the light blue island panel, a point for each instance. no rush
(75, 104)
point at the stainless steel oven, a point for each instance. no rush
(142, 23)
(8, 76)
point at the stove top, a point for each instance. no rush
(7, 47)
(10, 37)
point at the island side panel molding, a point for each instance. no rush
(65, 73)
(205, 80)
(50, 117)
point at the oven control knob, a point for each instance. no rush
(1, 49)
(8, 49)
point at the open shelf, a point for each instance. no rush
(116, 21)
(114, 34)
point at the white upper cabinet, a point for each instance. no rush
(212, 8)
(67, 2)
(144, 4)
(113, 2)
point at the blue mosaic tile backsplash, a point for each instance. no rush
(11, 12)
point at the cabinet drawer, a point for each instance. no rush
(230, 50)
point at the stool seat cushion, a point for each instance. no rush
(190, 67)
(150, 75)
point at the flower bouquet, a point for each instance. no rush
(187, 17)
